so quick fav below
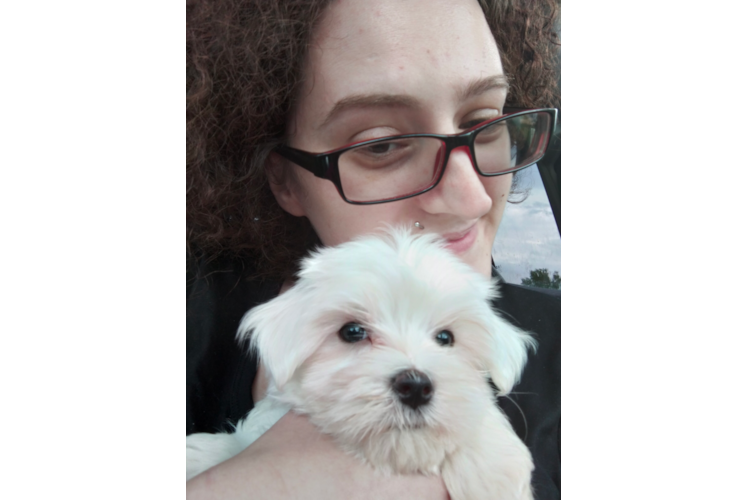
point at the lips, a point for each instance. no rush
(460, 242)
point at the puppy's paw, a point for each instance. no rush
(208, 450)
(495, 465)
(469, 479)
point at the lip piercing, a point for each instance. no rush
(419, 225)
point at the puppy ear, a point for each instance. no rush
(280, 334)
(509, 353)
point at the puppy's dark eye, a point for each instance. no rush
(352, 332)
(445, 337)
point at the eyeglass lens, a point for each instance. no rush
(401, 167)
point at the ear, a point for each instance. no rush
(281, 334)
(508, 353)
(280, 178)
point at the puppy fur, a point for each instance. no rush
(403, 289)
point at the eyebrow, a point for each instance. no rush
(370, 101)
(482, 85)
(472, 89)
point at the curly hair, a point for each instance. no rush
(244, 61)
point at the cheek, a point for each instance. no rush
(336, 221)
(340, 384)
(326, 369)
(498, 189)
(339, 373)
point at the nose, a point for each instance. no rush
(460, 191)
(413, 388)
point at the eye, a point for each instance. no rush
(477, 120)
(352, 332)
(445, 338)
(380, 148)
(473, 123)
(388, 154)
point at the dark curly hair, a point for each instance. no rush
(243, 70)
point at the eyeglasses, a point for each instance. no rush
(402, 166)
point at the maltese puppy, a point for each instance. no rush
(387, 343)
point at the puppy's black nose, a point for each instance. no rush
(413, 388)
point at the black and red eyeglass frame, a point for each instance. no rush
(325, 165)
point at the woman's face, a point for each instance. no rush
(380, 68)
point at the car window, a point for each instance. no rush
(527, 249)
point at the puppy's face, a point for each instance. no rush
(387, 335)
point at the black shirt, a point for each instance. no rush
(220, 373)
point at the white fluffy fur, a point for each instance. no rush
(404, 289)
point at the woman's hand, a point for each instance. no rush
(293, 460)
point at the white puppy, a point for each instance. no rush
(387, 343)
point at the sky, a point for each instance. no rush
(528, 238)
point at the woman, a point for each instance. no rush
(316, 77)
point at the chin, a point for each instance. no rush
(387, 344)
(478, 257)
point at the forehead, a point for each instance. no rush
(396, 266)
(430, 49)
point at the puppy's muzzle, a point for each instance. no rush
(413, 388)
